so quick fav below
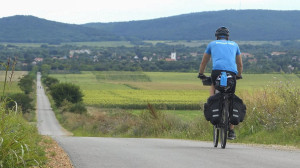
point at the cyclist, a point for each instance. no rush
(226, 56)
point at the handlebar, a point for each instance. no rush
(207, 81)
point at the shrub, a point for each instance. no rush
(78, 108)
(66, 91)
(49, 81)
(23, 101)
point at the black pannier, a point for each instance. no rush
(238, 110)
(213, 108)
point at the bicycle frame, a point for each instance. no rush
(223, 127)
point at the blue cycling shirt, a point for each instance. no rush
(223, 54)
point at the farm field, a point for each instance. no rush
(12, 86)
(164, 90)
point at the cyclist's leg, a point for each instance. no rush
(231, 134)
(214, 75)
(212, 90)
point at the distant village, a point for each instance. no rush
(247, 57)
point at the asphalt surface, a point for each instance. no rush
(95, 152)
(47, 122)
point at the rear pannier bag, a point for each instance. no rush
(213, 108)
(238, 110)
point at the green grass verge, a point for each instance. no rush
(19, 142)
(271, 99)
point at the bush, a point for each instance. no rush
(23, 101)
(49, 81)
(78, 108)
(66, 91)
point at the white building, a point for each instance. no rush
(173, 56)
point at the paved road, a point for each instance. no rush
(92, 152)
(47, 123)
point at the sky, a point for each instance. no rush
(87, 11)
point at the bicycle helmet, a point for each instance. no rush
(222, 31)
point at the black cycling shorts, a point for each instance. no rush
(216, 73)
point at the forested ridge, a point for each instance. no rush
(266, 25)
(243, 25)
(31, 29)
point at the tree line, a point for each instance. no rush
(283, 57)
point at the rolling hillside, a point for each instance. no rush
(266, 25)
(243, 24)
(32, 29)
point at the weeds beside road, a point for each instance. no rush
(18, 138)
(272, 118)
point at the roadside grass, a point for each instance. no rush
(270, 119)
(273, 115)
(186, 115)
(19, 142)
(18, 139)
(121, 123)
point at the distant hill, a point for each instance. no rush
(32, 29)
(243, 25)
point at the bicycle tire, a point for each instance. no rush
(225, 123)
(216, 136)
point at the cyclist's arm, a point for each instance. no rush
(205, 60)
(239, 64)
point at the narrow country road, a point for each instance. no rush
(47, 123)
(95, 152)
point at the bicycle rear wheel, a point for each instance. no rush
(224, 128)
(216, 136)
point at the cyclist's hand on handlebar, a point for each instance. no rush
(239, 77)
(201, 76)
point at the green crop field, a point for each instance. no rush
(165, 90)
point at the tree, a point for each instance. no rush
(66, 91)
(26, 83)
(45, 69)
